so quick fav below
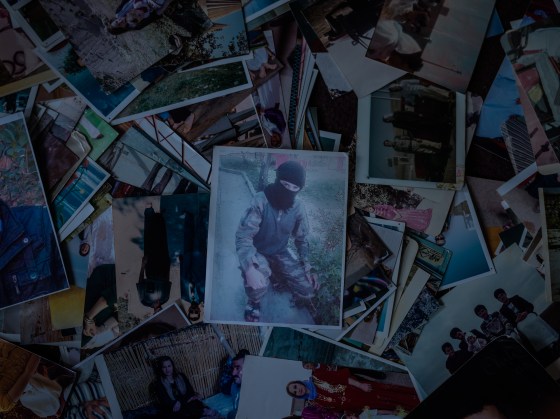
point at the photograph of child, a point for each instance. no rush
(269, 212)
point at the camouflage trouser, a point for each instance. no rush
(283, 271)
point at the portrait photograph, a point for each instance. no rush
(423, 39)
(411, 133)
(24, 211)
(276, 237)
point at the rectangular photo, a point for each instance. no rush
(422, 210)
(27, 227)
(65, 62)
(276, 237)
(462, 235)
(301, 345)
(438, 41)
(183, 88)
(511, 302)
(549, 198)
(192, 372)
(411, 132)
(304, 389)
(136, 34)
(176, 146)
(344, 30)
(34, 20)
(32, 386)
(139, 160)
(20, 68)
(77, 191)
(160, 254)
(532, 51)
(503, 379)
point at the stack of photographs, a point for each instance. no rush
(279, 209)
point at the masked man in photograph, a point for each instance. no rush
(274, 217)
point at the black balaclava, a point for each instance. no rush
(280, 197)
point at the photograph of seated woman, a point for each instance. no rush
(175, 394)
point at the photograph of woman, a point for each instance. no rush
(175, 394)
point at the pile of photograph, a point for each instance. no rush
(279, 209)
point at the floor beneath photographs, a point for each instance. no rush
(275, 306)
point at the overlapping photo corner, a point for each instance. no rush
(463, 204)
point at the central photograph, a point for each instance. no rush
(276, 237)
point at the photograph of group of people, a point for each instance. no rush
(510, 303)
(410, 133)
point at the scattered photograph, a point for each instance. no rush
(422, 210)
(138, 160)
(196, 371)
(302, 345)
(511, 302)
(305, 388)
(34, 20)
(185, 88)
(136, 34)
(330, 141)
(462, 236)
(185, 153)
(238, 126)
(88, 393)
(411, 133)
(344, 30)
(82, 185)
(535, 59)
(521, 195)
(99, 134)
(66, 63)
(160, 254)
(499, 386)
(549, 199)
(256, 8)
(437, 41)
(20, 67)
(42, 385)
(24, 211)
(281, 252)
